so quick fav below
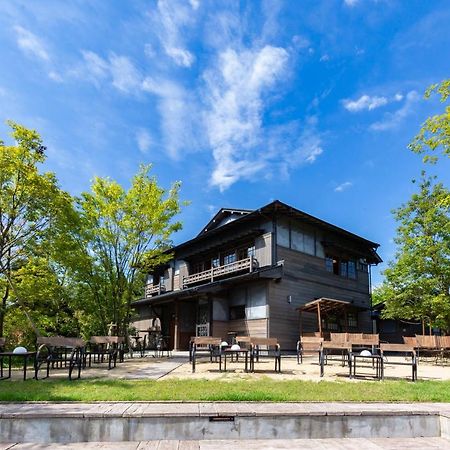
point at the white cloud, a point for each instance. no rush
(121, 72)
(144, 140)
(343, 186)
(393, 120)
(95, 65)
(178, 112)
(125, 76)
(235, 106)
(169, 22)
(194, 3)
(351, 3)
(55, 76)
(30, 44)
(365, 102)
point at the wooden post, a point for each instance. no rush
(346, 320)
(423, 327)
(176, 338)
(319, 319)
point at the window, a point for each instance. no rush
(215, 262)
(329, 264)
(352, 320)
(343, 269)
(340, 266)
(229, 258)
(309, 244)
(297, 241)
(237, 312)
(251, 252)
(352, 270)
(283, 233)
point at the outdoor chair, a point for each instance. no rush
(205, 346)
(410, 340)
(444, 345)
(104, 348)
(428, 345)
(310, 345)
(399, 350)
(57, 352)
(272, 349)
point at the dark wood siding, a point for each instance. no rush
(304, 279)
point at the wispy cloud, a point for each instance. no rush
(392, 120)
(343, 186)
(178, 111)
(30, 44)
(171, 19)
(144, 140)
(351, 3)
(365, 102)
(236, 88)
(117, 69)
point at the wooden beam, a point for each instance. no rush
(319, 319)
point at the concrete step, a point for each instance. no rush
(257, 444)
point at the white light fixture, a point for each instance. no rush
(20, 350)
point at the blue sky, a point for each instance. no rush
(312, 103)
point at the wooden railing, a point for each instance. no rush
(151, 289)
(216, 272)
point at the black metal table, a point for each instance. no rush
(376, 362)
(10, 355)
(229, 352)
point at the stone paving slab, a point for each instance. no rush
(259, 444)
(202, 409)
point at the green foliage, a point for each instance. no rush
(71, 266)
(417, 282)
(30, 205)
(435, 132)
(122, 234)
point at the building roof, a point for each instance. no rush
(214, 226)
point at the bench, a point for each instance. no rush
(396, 349)
(59, 352)
(272, 347)
(101, 347)
(205, 346)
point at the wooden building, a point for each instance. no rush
(248, 272)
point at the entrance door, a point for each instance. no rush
(202, 327)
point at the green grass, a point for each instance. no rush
(237, 390)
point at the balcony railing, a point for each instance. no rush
(210, 275)
(151, 289)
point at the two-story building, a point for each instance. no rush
(247, 272)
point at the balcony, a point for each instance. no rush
(152, 289)
(208, 276)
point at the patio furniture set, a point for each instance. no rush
(360, 350)
(58, 352)
(246, 348)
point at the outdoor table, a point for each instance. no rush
(10, 355)
(376, 360)
(229, 351)
(137, 345)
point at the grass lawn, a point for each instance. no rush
(237, 390)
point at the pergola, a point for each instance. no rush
(323, 306)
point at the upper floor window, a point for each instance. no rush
(229, 258)
(215, 262)
(251, 252)
(340, 266)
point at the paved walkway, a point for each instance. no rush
(263, 444)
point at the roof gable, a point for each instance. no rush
(224, 216)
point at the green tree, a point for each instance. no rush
(418, 281)
(30, 204)
(434, 136)
(122, 234)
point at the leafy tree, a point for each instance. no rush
(418, 281)
(435, 132)
(122, 234)
(30, 203)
